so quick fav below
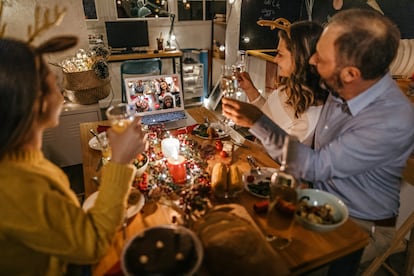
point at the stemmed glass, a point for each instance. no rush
(228, 87)
(282, 203)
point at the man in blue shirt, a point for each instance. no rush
(366, 129)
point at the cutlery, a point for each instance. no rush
(239, 144)
(96, 135)
(253, 164)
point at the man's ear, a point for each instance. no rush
(349, 74)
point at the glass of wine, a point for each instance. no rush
(283, 202)
(228, 87)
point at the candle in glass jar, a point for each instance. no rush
(177, 168)
(170, 147)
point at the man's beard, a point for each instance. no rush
(333, 83)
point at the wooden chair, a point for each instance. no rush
(151, 66)
(402, 231)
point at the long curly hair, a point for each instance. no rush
(303, 86)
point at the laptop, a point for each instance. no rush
(158, 99)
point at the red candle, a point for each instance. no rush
(177, 168)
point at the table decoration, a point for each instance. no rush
(177, 168)
(191, 198)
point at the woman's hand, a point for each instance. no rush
(246, 84)
(241, 113)
(126, 145)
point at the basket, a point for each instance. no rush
(85, 87)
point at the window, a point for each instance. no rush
(89, 9)
(193, 9)
(141, 8)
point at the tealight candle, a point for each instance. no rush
(170, 147)
(177, 168)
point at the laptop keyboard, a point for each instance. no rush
(163, 117)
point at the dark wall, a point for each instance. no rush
(401, 12)
(254, 10)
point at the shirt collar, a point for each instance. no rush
(361, 101)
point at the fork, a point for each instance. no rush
(253, 164)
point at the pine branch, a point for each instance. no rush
(47, 23)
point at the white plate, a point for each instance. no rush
(258, 179)
(131, 211)
(217, 127)
(93, 142)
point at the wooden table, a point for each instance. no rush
(308, 250)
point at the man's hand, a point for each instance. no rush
(241, 113)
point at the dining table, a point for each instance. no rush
(308, 251)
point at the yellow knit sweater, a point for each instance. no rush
(42, 226)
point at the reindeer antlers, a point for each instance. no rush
(47, 23)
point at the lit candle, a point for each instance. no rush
(170, 147)
(177, 168)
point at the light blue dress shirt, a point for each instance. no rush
(359, 152)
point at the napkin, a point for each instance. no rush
(101, 128)
(115, 270)
(183, 130)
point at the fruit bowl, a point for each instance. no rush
(320, 211)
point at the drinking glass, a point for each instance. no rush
(228, 87)
(282, 207)
(120, 116)
(283, 202)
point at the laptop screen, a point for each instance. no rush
(155, 94)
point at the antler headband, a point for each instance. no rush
(280, 23)
(39, 27)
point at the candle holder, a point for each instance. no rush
(178, 169)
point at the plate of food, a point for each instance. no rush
(211, 131)
(258, 183)
(320, 211)
(94, 143)
(136, 201)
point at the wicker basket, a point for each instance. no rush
(85, 87)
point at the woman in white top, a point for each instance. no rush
(296, 104)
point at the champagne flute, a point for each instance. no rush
(228, 87)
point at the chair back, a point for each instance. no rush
(151, 66)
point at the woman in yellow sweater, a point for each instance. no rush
(42, 226)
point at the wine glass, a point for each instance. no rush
(228, 87)
(280, 216)
(283, 200)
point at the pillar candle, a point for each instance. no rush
(170, 147)
(177, 169)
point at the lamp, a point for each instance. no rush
(171, 36)
(143, 11)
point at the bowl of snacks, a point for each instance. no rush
(320, 211)
(163, 250)
(141, 163)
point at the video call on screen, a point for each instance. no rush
(154, 94)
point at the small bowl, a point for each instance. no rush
(318, 198)
(141, 163)
(162, 250)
